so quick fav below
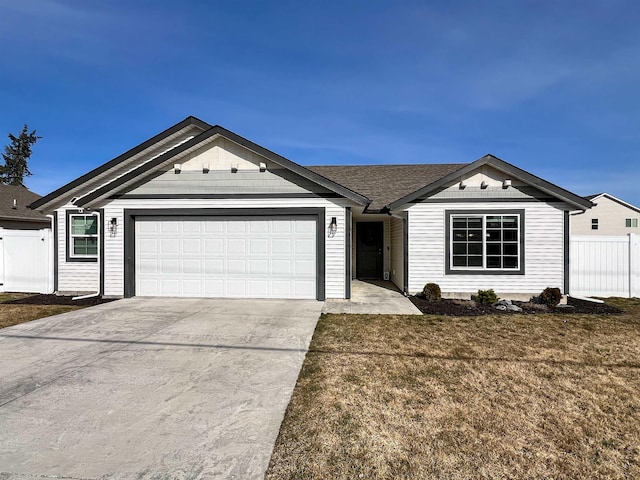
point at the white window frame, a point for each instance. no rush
(73, 237)
(484, 269)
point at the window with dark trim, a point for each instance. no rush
(594, 224)
(631, 223)
(485, 242)
(82, 237)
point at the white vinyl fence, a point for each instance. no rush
(605, 266)
(26, 261)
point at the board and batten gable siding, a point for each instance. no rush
(397, 252)
(334, 245)
(73, 276)
(225, 182)
(544, 248)
(208, 170)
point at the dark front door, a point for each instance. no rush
(369, 250)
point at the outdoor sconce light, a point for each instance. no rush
(461, 185)
(484, 185)
(506, 183)
(205, 168)
(177, 167)
(113, 225)
(333, 227)
(263, 167)
(234, 167)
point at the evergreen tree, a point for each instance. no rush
(15, 156)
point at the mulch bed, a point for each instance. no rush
(460, 308)
(58, 300)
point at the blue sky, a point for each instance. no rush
(551, 87)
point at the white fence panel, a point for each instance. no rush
(26, 261)
(605, 266)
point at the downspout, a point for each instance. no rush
(100, 232)
(52, 251)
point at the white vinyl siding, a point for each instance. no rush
(334, 245)
(543, 251)
(73, 276)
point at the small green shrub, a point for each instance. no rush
(431, 292)
(486, 297)
(550, 296)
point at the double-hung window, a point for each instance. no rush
(485, 242)
(83, 236)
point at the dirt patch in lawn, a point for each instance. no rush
(16, 308)
(494, 396)
(460, 308)
(57, 300)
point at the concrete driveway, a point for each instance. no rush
(150, 388)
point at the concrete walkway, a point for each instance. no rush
(150, 388)
(373, 297)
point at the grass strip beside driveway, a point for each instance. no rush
(520, 396)
(11, 314)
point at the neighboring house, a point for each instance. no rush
(198, 210)
(26, 256)
(608, 216)
(15, 213)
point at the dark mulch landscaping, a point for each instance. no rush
(58, 300)
(460, 308)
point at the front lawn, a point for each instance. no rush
(498, 396)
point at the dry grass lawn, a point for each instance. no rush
(522, 396)
(15, 314)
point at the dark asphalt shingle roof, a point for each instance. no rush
(23, 198)
(383, 184)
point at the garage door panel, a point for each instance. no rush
(214, 246)
(168, 266)
(303, 267)
(169, 246)
(168, 227)
(259, 246)
(304, 289)
(192, 246)
(213, 287)
(192, 287)
(281, 267)
(281, 246)
(281, 227)
(259, 267)
(270, 258)
(236, 267)
(258, 226)
(236, 246)
(258, 288)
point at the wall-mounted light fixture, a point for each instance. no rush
(263, 167)
(113, 225)
(484, 185)
(461, 185)
(333, 227)
(177, 168)
(506, 183)
(205, 168)
(234, 167)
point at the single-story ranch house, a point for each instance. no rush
(199, 211)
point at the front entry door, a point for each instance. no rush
(369, 244)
